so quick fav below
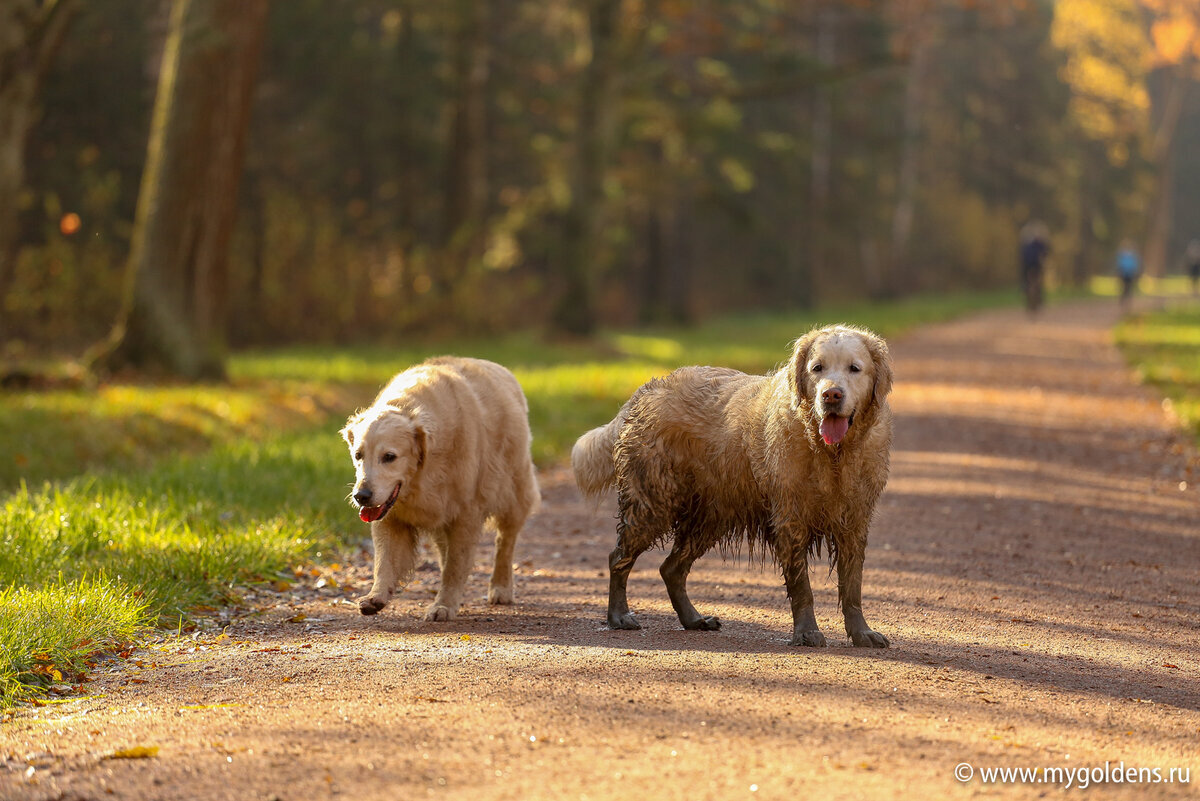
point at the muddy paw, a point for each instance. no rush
(438, 612)
(624, 622)
(710, 623)
(868, 639)
(500, 595)
(369, 604)
(811, 639)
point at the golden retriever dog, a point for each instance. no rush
(444, 448)
(786, 463)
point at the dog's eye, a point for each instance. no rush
(358, 456)
(816, 368)
(854, 368)
(388, 457)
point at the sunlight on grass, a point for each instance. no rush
(269, 493)
(51, 435)
(1109, 286)
(50, 634)
(1164, 347)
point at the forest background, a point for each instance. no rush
(465, 167)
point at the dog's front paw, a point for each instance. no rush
(440, 612)
(370, 604)
(500, 595)
(865, 638)
(810, 639)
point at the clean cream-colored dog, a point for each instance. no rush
(444, 448)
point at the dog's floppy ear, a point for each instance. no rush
(798, 379)
(421, 440)
(347, 431)
(883, 365)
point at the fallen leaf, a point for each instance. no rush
(1168, 664)
(137, 752)
(298, 618)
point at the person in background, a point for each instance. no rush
(1193, 264)
(1035, 246)
(1129, 265)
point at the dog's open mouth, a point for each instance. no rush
(369, 514)
(834, 428)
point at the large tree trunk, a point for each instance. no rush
(174, 314)
(899, 269)
(576, 312)
(821, 162)
(30, 34)
(1158, 226)
(467, 174)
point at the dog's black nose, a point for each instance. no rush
(362, 497)
(832, 396)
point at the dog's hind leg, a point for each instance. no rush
(637, 525)
(508, 525)
(674, 571)
(620, 562)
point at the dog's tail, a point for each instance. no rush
(592, 457)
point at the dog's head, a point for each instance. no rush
(838, 375)
(388, 447)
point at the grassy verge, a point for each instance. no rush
(180, 494)
(572, 387)
(174, 540)
(61, 433)
(1164, 347)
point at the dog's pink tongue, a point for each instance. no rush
(368, 514)
(833, 428)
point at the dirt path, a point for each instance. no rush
(1034, 564)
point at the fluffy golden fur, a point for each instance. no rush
(444, 448)
(787, 462)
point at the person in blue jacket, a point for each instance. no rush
(1129, 267)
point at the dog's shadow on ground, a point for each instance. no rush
(661, 633)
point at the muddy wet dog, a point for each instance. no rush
(787, 463)
(442, 450)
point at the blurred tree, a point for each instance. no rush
(576, 309)
(442, 168)
(31, 32)
(173, 313)
(1175, 39)
(466, 199)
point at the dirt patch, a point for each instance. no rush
(1034, 565)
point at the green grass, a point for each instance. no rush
(51, 633)
(179, 538)
(1164, 347)
(61, 433)
(164, 500)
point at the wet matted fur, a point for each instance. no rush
(786, 463)
(444, 448)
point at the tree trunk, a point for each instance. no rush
(821, 163)
(466, 174)
(576, 312)
(899, 273)
(174, 312)
(1158, 227)
(31, 32)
